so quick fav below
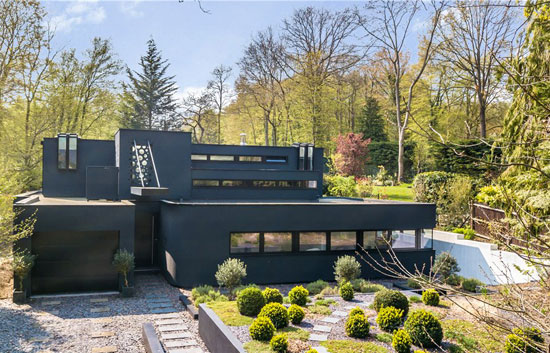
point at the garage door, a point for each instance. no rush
(74, 262)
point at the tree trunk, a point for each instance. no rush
(482, 116)
(266, 128)
(400, 156)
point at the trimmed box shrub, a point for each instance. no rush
(250, 301)
(526, 340)
(401, 342)
(272, 295)
(389, 318)
(279, 343)
(357, 326)
(298, 295)
(346, 291)
(424, 328)
(430, 297)
(296, 314)
(277, 313)
(356, 311)
(391, 298)
(346, 268)
(262, 329)
(316, 287)
(311, 350)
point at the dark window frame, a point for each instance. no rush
(66, 164)
(266, 159)
(249, 184)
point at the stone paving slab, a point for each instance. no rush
(166, 328)
(99, 300)
(315, 337)
(340, 313)
(157, 300)
(169, 322)
(176, 344)
(163, 310)
(322, 328)
(106, 349)
(102, 334)
(168, 316)
(100, 309)
(331, 320)
(186, 350)
(54, 302)
(159, 305)
(175, 336)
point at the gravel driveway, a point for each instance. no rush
(87, 323)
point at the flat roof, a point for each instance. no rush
(41, 200)
(321, 201)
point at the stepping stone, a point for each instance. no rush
(186, 350)
(102, 334)
(168, 316)
(53, 312)
(153, 295)
(163, 310)
(331, 320)
(100, 309)
(175, 344)
(170, 322)
(38, 339)
(175, 336)
(55, 302)
(321, 349)
(315, 337)
(160, 305)
(106, 349)
(322, 328)
(167, 328)
(157, 300)
(99, 300)
(340, 313)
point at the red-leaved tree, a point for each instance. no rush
(351, 154)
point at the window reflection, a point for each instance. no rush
(343, 240)
(277, 242)
(313, 241)
(245, 243)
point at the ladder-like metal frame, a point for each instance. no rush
(139, 164)
(153, 162)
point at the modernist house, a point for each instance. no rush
(184, 208)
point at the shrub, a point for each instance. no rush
(298, 295)
(364, 187)
(296, 314)
(424, 328)
(238, 289)
(230, 274)
(357, 326)
(272, 295)
(526, 340)
(262, 329)
(346, 268)
(455, 280)
(363, 286)
(250, 301)
(468, 232)
(445, 265)
(470, 284)
(200, 291)
(316, 287)
(401, 342)
(23, 262)
(338, 185)
(311, 350)
(123, 263)
(415, 299)
(430, 297)
(389, 318)
(330, 291)
(211, 296)
(279, 343)
(346, 291)
(356, 311)
(391, 298)
(414, 284)
(277, 313)
(325, 302)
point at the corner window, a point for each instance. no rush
(403, 239)
(245, 243)
(277, 242)
(343, 240)
(313, 241)
(375, 239)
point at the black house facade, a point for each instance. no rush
(184, 208)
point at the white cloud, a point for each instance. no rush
(77, 13)
(188, 91)
(130, 8)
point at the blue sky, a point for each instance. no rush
(194, 42)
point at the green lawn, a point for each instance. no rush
(292, 333)
(472, 338)
(229, 313)
(345, 346)
(402, 192)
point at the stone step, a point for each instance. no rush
(157, 300)
(322, 328)
(319, 338)
(166, 328)
(168, 316)
(102, 334)
(175, 336)
(331, 320)
(186, 350)
(99, 300)
(169, 322)
(106, 349)
(53, 302)
(159, 305)
(176, 344)
(163, 310)
(100, 309)
(340, 313)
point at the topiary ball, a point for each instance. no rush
(401, 341)
(262, 329)
(272, 295)
(357, 326)
(389, 318)
(298, 295)
(356, 311)
(311, 350)
(346, 291)
(296, 314)
(393, 298)
(430, 297)
(279, 343)
(277, 313)
(250, 301)
(424, 328)
(524, 340)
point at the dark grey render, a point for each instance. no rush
(185, 208)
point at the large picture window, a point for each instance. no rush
(375, 239)
(245, 243)
(277, 242)
(343, 240)
(313, 241)
(403, 239)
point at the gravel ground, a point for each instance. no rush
(68, 326)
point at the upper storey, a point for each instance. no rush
(161, 164)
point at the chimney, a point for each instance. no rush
(243, 139)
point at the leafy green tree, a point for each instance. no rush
(371, 122)
(148, 99)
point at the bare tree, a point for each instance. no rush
(221, 92)
(261, 76)
(389, 24)
(318, 47)
(471, 39)
(197, 109)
